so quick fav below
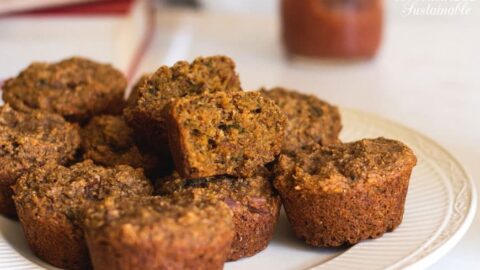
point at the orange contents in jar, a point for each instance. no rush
(332, 28)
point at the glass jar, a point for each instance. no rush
(332, 28)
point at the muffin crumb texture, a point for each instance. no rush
(153, 92)
(215, 134)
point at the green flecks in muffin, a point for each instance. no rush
(227, 133)
(228, 127)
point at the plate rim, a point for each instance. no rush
(450, 242)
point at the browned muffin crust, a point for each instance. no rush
(224, 133)
(191, 231)
(109, 141)
(344, 193)
(49, 201)
(28, 140)
(76, 88)
(145, 110)
(254, 203)
(310, 120)
(135, 92)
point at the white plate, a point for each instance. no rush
(439, 209)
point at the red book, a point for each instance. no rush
(66, 7)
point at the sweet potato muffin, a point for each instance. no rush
(109, 141)
(254, 203)
(310, 120)
(344, 193)
(133, 96)
(76, 88)
(224, 133)
(28, 140)
(190, 231)
(145, 109)
(49, 201)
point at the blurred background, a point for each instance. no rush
(413, 61)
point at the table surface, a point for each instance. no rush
(426, 76)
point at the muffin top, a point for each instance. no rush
(109, 141)
(340, 167)
(154, 92)
(253, 192)
(310, 120)
(190, 218)
(76, 88)
(57, 190)
(34, 138)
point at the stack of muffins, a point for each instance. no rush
(187, 173)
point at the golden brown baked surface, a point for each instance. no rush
(310, 120)
(222, 133)
(344, 193)
(192, 214)
(190, 231)
(340, 167)
(61, 189)
(76, 88)
(109, 141)
(145, 110)
(135, 92)
(233, 189)
(49, 201)
(28, 140)
(254, 203)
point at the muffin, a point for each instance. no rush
(135, 91)
(28, 140)
(145, 109)
(310, 120)
(49, 201)
(109, 141)
(224, 133)
(344, 193)
(190, 231)
(253, 201)
(76, 88)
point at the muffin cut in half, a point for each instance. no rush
(49, 201)
(187, 231)
(28, 140)
(344, 193)
(254, 203)
(152, 93)
(76, 88)
(222, 133)
(310, 120)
